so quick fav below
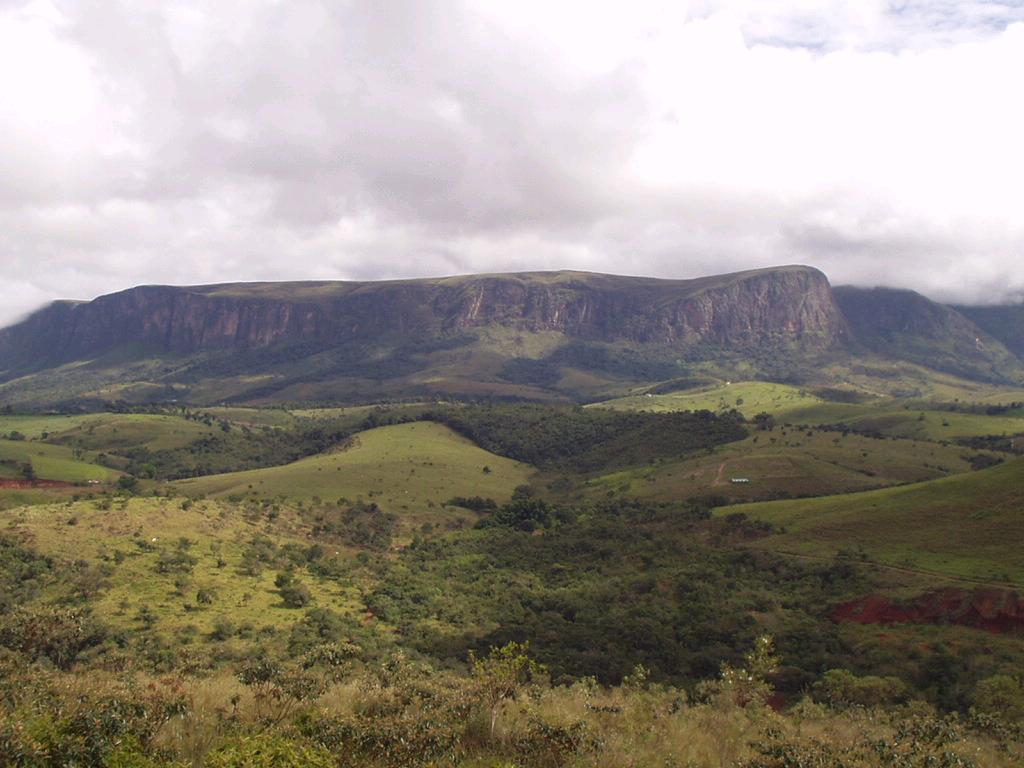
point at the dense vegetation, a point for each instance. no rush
(364, 587)
(581, 439)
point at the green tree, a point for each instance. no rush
(504, 674)
(1000, 696)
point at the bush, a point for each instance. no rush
(296, 595)
(60, 635)
(1000, 696)
(266, 750)
(840, 688)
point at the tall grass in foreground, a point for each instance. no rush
(321, 712)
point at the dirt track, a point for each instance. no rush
(8, 482)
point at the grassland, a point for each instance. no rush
(901, 419)
(786, 462)
(127, 541)
(408, 469)
(109, 431)
(748, 397)
(966, 526)
(51, 462)
(886, 416)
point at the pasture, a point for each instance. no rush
(965, 526)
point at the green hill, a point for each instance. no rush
(408, 469)
(49, 462)
(784, 463)
(966, 526)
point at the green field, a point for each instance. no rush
(967, 526)
(109, 431)
(748, 397)
(51, 462)
(897, 419)
(787, 462)
(408, 469)
(34, 427)
(891, 417)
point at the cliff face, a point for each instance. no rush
(792, 305)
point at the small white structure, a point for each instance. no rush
(740, 480)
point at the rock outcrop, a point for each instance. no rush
(792, 305)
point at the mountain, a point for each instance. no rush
(905, 325)
(746, 308)
(529, 335)
(1004, 322)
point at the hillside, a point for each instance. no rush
(411, 470)
(967, 525)
(905, 325)
(1005, 322)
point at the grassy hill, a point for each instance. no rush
(748, 397)
(919, 421)
(787, 462)
(408, 469)
(50, 462)
(109, 431)
(911, 418)
(151, 557)
(964, 526)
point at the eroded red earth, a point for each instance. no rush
(6, 482)
(988, 608)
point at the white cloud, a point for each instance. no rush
(189, 142)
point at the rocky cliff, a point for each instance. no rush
(791, 305)
(525, 335)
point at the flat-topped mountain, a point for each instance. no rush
(750, 307)
(536, 334)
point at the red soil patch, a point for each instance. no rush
(10, 483)
(990, 609)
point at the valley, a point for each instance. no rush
(335, 545)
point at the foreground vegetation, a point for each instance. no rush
(327, 711)
(497, 585)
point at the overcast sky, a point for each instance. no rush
(195, 142)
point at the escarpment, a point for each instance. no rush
(793, 304)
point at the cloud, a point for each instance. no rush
(191, 142)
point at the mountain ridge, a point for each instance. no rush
(197, 318)
(521, 334)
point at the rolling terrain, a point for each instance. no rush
(963, 526)
(787, 463)
(409, 469)
(774, 514)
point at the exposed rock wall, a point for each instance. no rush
(790, 304)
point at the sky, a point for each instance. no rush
(196, 142)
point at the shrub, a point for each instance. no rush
(268, 750)
(58, 634)
(1000, 696)
(840, 688)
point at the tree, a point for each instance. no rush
(128, 483)
(1000, 696)
(293, 592)
(749, 685)
(505, 674)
